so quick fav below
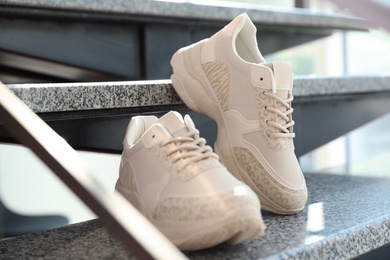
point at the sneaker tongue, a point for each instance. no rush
(283, 77)
(173, 123)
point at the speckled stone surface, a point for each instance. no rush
(316, 86)
(210, 10)
(89, 96)
(108, 95)
(345, 217)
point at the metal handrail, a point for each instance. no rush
(120, 217)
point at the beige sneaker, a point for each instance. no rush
(172, 177)
(226, 78)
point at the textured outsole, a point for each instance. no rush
(266, 203)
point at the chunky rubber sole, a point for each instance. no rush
(197, 93)
(235, 226)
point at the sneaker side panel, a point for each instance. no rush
(192, 83)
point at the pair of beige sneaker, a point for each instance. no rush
(196, 197)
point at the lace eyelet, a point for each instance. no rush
(153, 136)
(261, 78)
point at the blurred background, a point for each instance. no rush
(366, 149)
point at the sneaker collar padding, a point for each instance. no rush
(244, 42)
(137, 127)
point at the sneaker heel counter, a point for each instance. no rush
(207, 49)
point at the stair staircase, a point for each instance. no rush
(105, 61)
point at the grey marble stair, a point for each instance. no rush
(324, 108)
(212, 10)
(134, 39)
(67, 97)
(345, 217)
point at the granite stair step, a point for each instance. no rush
(325, 108)
(345, 217)
(134, 39)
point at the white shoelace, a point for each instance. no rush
(285, 130)
(189, 147)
